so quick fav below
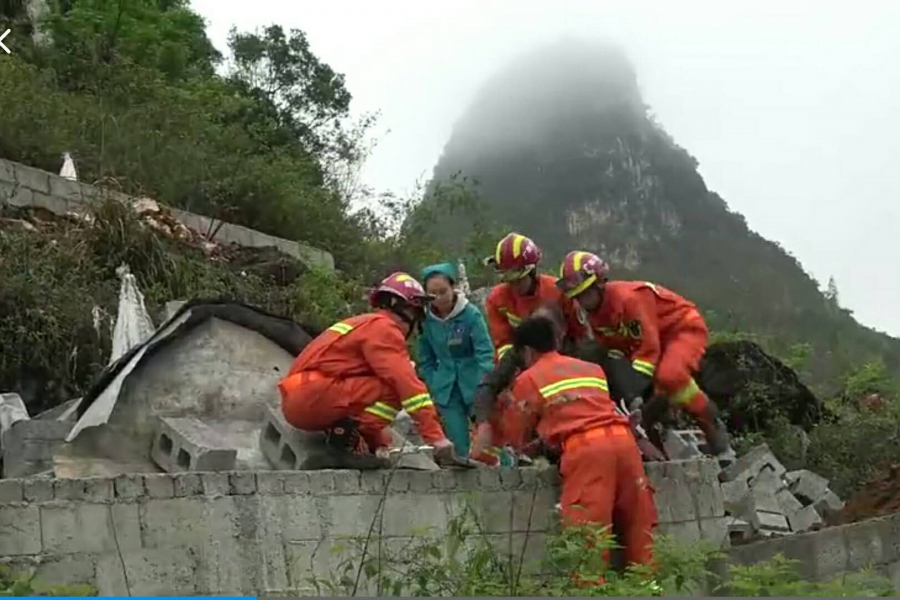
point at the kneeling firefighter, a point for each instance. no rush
(662, 334)
(354, 378)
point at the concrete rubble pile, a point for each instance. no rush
(763, 499)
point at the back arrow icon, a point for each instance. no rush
(2, 45)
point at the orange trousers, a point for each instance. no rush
(679, 361)
(603, 481)
(314, 403)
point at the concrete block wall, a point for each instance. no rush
(267, 532)
(829, 553)
(24, 186)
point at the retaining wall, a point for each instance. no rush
(267, 532)
(831, 552)
(24, 186)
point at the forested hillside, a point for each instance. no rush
(563, 148)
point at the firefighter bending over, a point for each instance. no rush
(566, 401)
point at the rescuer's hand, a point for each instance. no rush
(484, 439)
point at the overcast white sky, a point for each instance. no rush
(791, 108)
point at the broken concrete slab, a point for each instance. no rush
(829, 502)
(29, 446)
(772, 522)
(67, 411)
(808, 486)
(767, 482)
(805, 519)
(749, 465)
(734, 493)
(189, 444)
(788, 503)
(683, 444)
(739, 530)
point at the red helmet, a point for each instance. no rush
(579, 271)
(403, 286)
(516, 257)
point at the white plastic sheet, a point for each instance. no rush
(68, 168)
(133, 324)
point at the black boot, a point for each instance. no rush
(338, 452)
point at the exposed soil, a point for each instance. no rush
(879, 497)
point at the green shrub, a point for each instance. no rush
(17, 584)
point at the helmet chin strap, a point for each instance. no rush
(397, 309)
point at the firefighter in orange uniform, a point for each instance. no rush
(662, 334)
(357, 375)
(566, 401)
(522, 291)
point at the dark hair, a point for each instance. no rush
(536, 332)
(552, 311)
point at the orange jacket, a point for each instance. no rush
(639, 318)
(373, 345)
(558, 396)
(505, 310)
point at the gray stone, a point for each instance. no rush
(129, 486)
(28, 446)
(420, 483)
(739, 530)
(788, 503)
(808, 486)
(7, 171)
(151, 572)
(749, 465)
(12, 410)
(11, 491)
(270, 483)
(443, 480)
(187, 484)
(373, 482)
(20, 530)
(510, 478)
(321, 483)
(489, 479)
(767, 482)
(398, 481)
(21, 196)
(65, 188)
(38, 490)
(189, 444)
(346, 482)
(297, 483)
(242, 482)
(775, 522)
(34, 179)
(766, 502)
(159, 486)
(830, 502)
(734, 493)
(72, 528)
(215, 484)
(409, 515)
(804, 520)
(685, 533)
(66, 570)
(682, 445)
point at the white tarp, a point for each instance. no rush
(133, 324)
(68, 168)
(12, 410)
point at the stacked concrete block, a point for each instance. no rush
(761, 495)
(684, 444)
(689, 500)
(188, 444)
(285, 446)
